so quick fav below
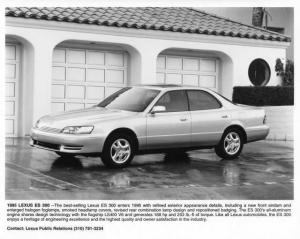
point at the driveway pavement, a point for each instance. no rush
(263, 171)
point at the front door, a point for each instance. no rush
(171, 128)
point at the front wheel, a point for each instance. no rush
(118, 151)
(230, 145)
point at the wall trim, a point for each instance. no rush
(141, 33)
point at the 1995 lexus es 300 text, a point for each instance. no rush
(152, 118)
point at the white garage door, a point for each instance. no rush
(12, 66)
(196, 71)
(83, 77)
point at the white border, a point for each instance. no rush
(215, 228)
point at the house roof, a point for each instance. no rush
(173, 19)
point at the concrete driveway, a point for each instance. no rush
(263, 171)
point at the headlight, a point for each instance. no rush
(77, 130)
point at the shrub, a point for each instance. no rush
(279, 69)
(263, 95)
(286, 72)
(288, 78)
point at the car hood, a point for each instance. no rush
(89, 116)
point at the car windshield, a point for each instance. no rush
(130, 99)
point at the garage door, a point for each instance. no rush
(196, 71)
(12, 66)
(83, 77)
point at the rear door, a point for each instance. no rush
(209, 118)
(172, 128)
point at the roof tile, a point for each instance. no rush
(185, 20)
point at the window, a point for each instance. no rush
(130, 99)
(224, 97)
(259, 72)
(201, 100)
(174, 101)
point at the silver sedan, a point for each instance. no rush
(152, 118)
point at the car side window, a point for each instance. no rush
(174, 101)
(202, 100)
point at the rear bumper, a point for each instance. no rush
(257, 133)
(65, 143)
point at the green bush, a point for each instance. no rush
(286, 72)
(263, 95)
(288, 79)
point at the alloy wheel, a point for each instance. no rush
(232, 143)
(120, 151)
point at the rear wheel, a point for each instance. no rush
(118, 151)
(230, 145)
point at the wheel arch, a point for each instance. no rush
(239, 127)
(126, 131)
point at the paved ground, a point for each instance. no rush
(264, 171)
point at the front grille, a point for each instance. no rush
(49, 129)
(46, 145)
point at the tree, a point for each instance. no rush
(258, 15)
(286, 72)
(288, 79)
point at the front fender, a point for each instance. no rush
(135, 124)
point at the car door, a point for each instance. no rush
(209, 118)
(172, 127)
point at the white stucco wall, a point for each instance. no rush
(281, 122)
(247, 55)
(38, 41)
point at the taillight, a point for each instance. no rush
(265, 119)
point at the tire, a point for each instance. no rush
(230, 145)
(118, 151)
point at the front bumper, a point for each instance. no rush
(66, 143)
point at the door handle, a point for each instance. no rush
(183, 119)
(225, 116)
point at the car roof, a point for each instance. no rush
(166, 87)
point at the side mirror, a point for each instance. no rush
(158, 109)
